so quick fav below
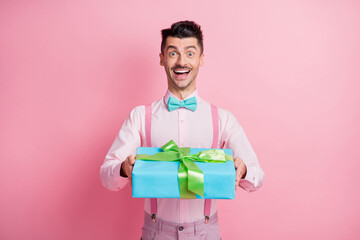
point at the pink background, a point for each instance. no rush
(71, 71)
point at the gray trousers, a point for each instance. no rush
(163, 230)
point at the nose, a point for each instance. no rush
(181, 60)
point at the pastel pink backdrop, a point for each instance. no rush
(71, 71)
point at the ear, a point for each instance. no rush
(161, 59)
(202, 59)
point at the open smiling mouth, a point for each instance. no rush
(181, 74)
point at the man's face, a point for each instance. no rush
(181, 60)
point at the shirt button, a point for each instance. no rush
(181, 228)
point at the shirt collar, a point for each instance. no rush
(170, 94)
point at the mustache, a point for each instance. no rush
(180, 67)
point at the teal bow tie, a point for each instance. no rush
(174, 104)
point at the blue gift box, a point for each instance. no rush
(159, 179)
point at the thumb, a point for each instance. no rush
(237, 162)
(131, 160)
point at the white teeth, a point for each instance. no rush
(184, 71)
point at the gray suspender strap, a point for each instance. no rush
(215, 123)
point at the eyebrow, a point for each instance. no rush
(186, 48)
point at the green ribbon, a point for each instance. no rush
(191, 178)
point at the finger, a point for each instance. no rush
(130, 174)
(243, 170)
(131, 160)
(130, 171)
(237, 177)
(237, 182)
(238, 174)
(127, 167)
(237, 162)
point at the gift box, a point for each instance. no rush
(211, 178)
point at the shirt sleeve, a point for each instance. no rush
(125, 144)
(233, 137)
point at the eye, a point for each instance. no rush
(190, 54)
(172, 54)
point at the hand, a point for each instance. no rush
(127, 167)
(240, 171)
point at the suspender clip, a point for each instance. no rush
(207, 218)
(153, 217)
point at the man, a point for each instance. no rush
(189, 126)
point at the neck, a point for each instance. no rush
(182, 93)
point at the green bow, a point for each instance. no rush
(191, 178)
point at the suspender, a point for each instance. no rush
(148, 116)
(215, 120)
